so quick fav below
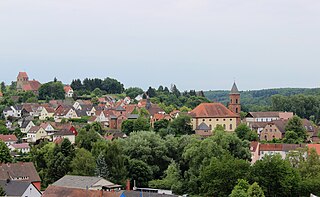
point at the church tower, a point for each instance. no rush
(234, 103)
(22, 79)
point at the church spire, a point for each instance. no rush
(234, 89)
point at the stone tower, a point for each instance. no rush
(22, 79)
(234, 103)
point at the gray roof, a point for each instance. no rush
(148, 194)
(81, 113)
(83, 182)
(133, 116)
(203, 126)
(234, 89)
(14, 188)
(25, 123)
(18, 107)
(119, 108)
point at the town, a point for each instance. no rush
(96, 138)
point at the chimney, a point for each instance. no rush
(128, 185)
(134, 185)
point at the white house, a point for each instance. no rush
(26, 126)
(13, 111)
(24, 147)
(68, 91)
(8, 139)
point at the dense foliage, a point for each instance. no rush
(51, 90)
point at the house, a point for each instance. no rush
(267, 116)
(8, 139)
(281, 149)
(65, 134)
(68, 91)
(59, 191)
(158, 117)
(23, 148)
(24, 84)
(13, 111)
(30, 109)
(203, 130)
(21, 171)
(276, 129)
(47, 127)
(80, 103)
(86, 182)
(65, 112)
(8, 124)
(46, 112)
(254, 149)
(257, 126)
(19, 189)
(62, 126)
(114, 134)
(273, 130)
(36, 133)
(26, 126)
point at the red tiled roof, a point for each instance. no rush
(208, 110)
(31, 86)
(271, 147)
(22, 75)
(57, 191)
(315, 146)
(67, 88)
(8, 138)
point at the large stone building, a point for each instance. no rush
(23, 83)
(214, 114)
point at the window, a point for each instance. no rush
(209, 119)
(236, 101)
(224, 119)
(231, 101)
(236, 110)
(230, 119)
(224, 126)
(230, 127)
(203, 120)
(217, 120)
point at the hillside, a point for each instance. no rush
(255, 100)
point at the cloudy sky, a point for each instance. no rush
(195, 44)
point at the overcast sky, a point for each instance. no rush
(195, 44)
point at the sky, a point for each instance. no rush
(195, 44)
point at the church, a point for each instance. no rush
(207, 116)
(23, 83)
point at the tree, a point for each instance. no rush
(97, 92)
(76, 84)
(150, 148)
(220, 176)
(182, 125)
(295, 124)
(276, 176)
(245, 133)
(141, 124)
(51, 90)
(2, 191)
(95, 100)
(140, 172)
(112, 86)
(255, 190)
(161, 124)
(101, 167)
(3, 87)
(240, 190)
(127, 126)
(172, 180)
(85, 138)
(83, 163)
(5, 156)
(133, 92)
(151, 92)
(175, 91)
(292, 137)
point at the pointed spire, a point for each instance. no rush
(234, 89)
